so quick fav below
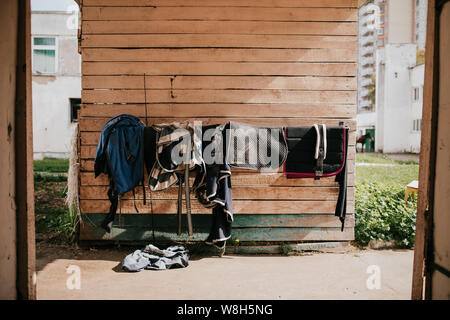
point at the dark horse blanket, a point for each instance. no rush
(304, 160)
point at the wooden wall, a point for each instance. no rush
(263, 62)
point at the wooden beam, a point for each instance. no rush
(26, 256)
(128, 13)
(223, 3)
(427, 154)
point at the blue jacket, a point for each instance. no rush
(120, 152)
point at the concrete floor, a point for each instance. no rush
(316, 276)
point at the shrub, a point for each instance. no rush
(381, 214)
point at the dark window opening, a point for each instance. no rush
(75, 104)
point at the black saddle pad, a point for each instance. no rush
(301, 141)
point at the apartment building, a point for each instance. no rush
(390, 107)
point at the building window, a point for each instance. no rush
(380, 42)
(44, 55)
(75, 104)
(417, 124)
(417, 3)
(380, 31)
(416, 93)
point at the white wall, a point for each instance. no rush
(366, 120)
(51, 5)
(417, 81)
(52, 129)
(400, 21)
(395, 98)
(379, 99)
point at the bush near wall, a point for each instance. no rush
(381, 214)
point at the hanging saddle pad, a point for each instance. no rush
(303, 145)
(174, 139)
(255, 148)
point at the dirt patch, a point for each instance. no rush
(50, 195)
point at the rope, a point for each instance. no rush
(145, 99)
(152, 213)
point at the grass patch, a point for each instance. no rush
(379, 158)
(395, 175)
(51, 165)
(52, 217)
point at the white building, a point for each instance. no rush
(56, 77)
(420, 23)
(367, 37)
(394, 98)
(397, 115)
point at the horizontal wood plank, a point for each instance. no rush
(87, 165)
(219, 82)
(219, 68)
(220, 27)
(203, 222)
(219, 96)
(90, 231)
(88, 152)
(91, 139)
(97, 124)
(243, 179)
(219, 110)
(239, 193)
(239, 207)
(218, 41)
(221, 55)
(128, 13)
(222, 3)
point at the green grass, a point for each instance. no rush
(395, 175)
(53, 219)
(379, 158)
(51, 165)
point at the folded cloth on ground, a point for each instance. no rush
(153, 258)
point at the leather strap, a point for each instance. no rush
(179, 203)
(320, 150)
(188, 194)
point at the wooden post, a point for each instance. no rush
(26, 281)
(427, 155)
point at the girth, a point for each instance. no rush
(321, 149)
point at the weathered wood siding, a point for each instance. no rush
(263, 62)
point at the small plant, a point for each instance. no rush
(381, 214)
(285, 249)
(53, 219)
